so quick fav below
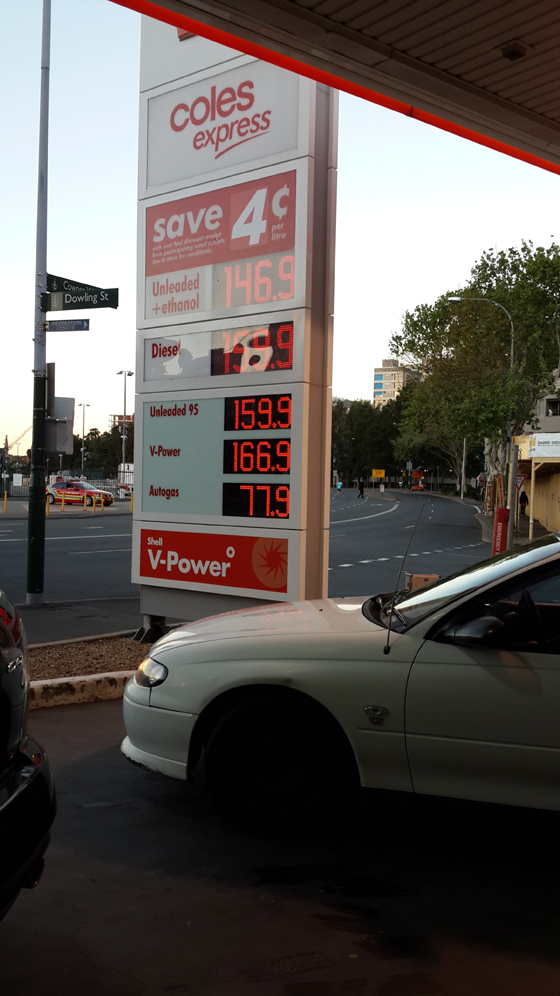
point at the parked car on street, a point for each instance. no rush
(453, 690)
(74, 492)
(27, 799)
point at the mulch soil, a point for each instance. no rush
(68, 660)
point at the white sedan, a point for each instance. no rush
(292, 706)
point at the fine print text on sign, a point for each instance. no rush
(64, 294)
(189, 241)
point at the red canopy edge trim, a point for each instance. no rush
(329, 79)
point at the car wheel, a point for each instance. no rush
(50, 499)
(272, 763)
(89, 500)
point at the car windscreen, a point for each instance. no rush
(417, 604)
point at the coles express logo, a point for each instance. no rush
(223, 113)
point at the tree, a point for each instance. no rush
(461, 352)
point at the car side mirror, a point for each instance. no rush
(484, 631)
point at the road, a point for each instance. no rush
(146, 892)
(89, 557)
(369, 539)
(84, 558)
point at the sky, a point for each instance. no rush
(416, 208)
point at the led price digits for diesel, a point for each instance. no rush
(259, 501)
(257, 456)
(265, 411)
(251, 350)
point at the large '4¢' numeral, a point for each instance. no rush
(251, 223)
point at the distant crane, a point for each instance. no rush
(9, 446)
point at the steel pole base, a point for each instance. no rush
(34, 598)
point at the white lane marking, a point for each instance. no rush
(89, 553)
(409, 527)
(362, 518)
(93, 527)
(366, 561)
(55, 539)
(346, 565)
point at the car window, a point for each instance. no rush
(418, 604)
(528, 614)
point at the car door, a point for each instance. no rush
(483, 698)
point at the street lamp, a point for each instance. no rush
(83, 406)
(125, 374)
(489, 300)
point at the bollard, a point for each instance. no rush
(62, 507)
(47, 505)
(5, 501)
(102, 502)
(85, 501)
(93, 509)
(131, 503)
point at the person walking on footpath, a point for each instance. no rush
(523, 502)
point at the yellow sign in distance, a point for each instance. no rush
(378, 473)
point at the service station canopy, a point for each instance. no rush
(488, 72)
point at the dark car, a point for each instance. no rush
(27, 799)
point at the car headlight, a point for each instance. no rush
(150, 673)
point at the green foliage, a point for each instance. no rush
(461, 351)
(363, 437)
(103, 452)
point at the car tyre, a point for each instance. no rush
(50, 499)
(274, 764)
(89, 500)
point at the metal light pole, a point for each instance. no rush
(489, 300)
(83, 405)
(125, 374)
(37, 493)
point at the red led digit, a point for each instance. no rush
(283, 495)
(264, 408)
(283, 453)
(249, 412)
(263, 347)
(249, 488)
(262, 298)
(227, 271)
(227, 349)
(244, 283)
(236, 405)
(263, 457)
(265, 487)
(284, 408)
(247, 460)
(287, 261)
(285, 341)
(235, 448)
(240, 350)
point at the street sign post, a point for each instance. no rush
(70, 325)
(64, 294)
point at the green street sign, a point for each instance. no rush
(64, 294)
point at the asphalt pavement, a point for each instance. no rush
(373, 538)
(147, 893)
(88, 591)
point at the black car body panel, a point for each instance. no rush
(27, 798)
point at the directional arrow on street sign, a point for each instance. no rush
(70, 325)
(64, 294)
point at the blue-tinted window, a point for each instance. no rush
(378, 377)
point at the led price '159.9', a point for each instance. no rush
(253, 350)
(262, 411)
